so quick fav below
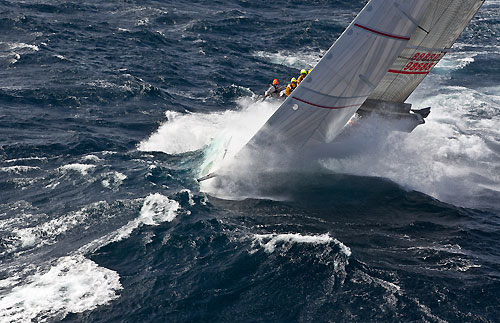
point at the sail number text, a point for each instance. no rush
(423, 62)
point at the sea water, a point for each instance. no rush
(106, 109)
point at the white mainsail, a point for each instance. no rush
(321, 105)
(381, 57)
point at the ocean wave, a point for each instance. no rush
(83, 169)
(33, 232)
(192, 131)
(156, 209)
(91, 157)
(270, 242)
(454, 61)
(113, 180)
(71, 284)
(26, 159)
(15, 46)
(304, 59)
(18, 169)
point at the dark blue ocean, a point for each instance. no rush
(106, 108)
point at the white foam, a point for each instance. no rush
(142, 22)
(12, 58)
(13, 61)
(270, 241)
(36, 235)
(450, 157)
(456, 258)
(24, 183)
(15, 46)
(301, 59)
(18, 169)
(103, 84)
(72, 284)
(190, 196)
(190, 132)
(52, 185)
(427, 311)
(25, 159)
(390, 290)
(447, 157)
(114, 180)
(14, 50)
(14, 237)
(455, 61)
(81, 168)
(27, 237)
(156, 209)
(92, 158)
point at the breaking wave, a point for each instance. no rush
(70, 284)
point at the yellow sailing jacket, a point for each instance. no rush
(290, 88)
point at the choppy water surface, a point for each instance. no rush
(105, 110)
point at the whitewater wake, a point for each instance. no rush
(454, 156)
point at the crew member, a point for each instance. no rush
(274, 90)
(290, 87)
(302, 76)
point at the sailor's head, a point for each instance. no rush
(303, 72)
(275, 82)
(293, 81)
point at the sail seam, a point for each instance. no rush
(325, 107)
(429, 49)
(382, 33)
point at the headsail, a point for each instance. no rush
(348, 73)
(440, 27)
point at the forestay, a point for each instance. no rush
(348, 73)
(440, 27)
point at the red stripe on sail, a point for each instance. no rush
(406, 72)
(325, 107)
(381, 33)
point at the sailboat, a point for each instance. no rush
(373, 67)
